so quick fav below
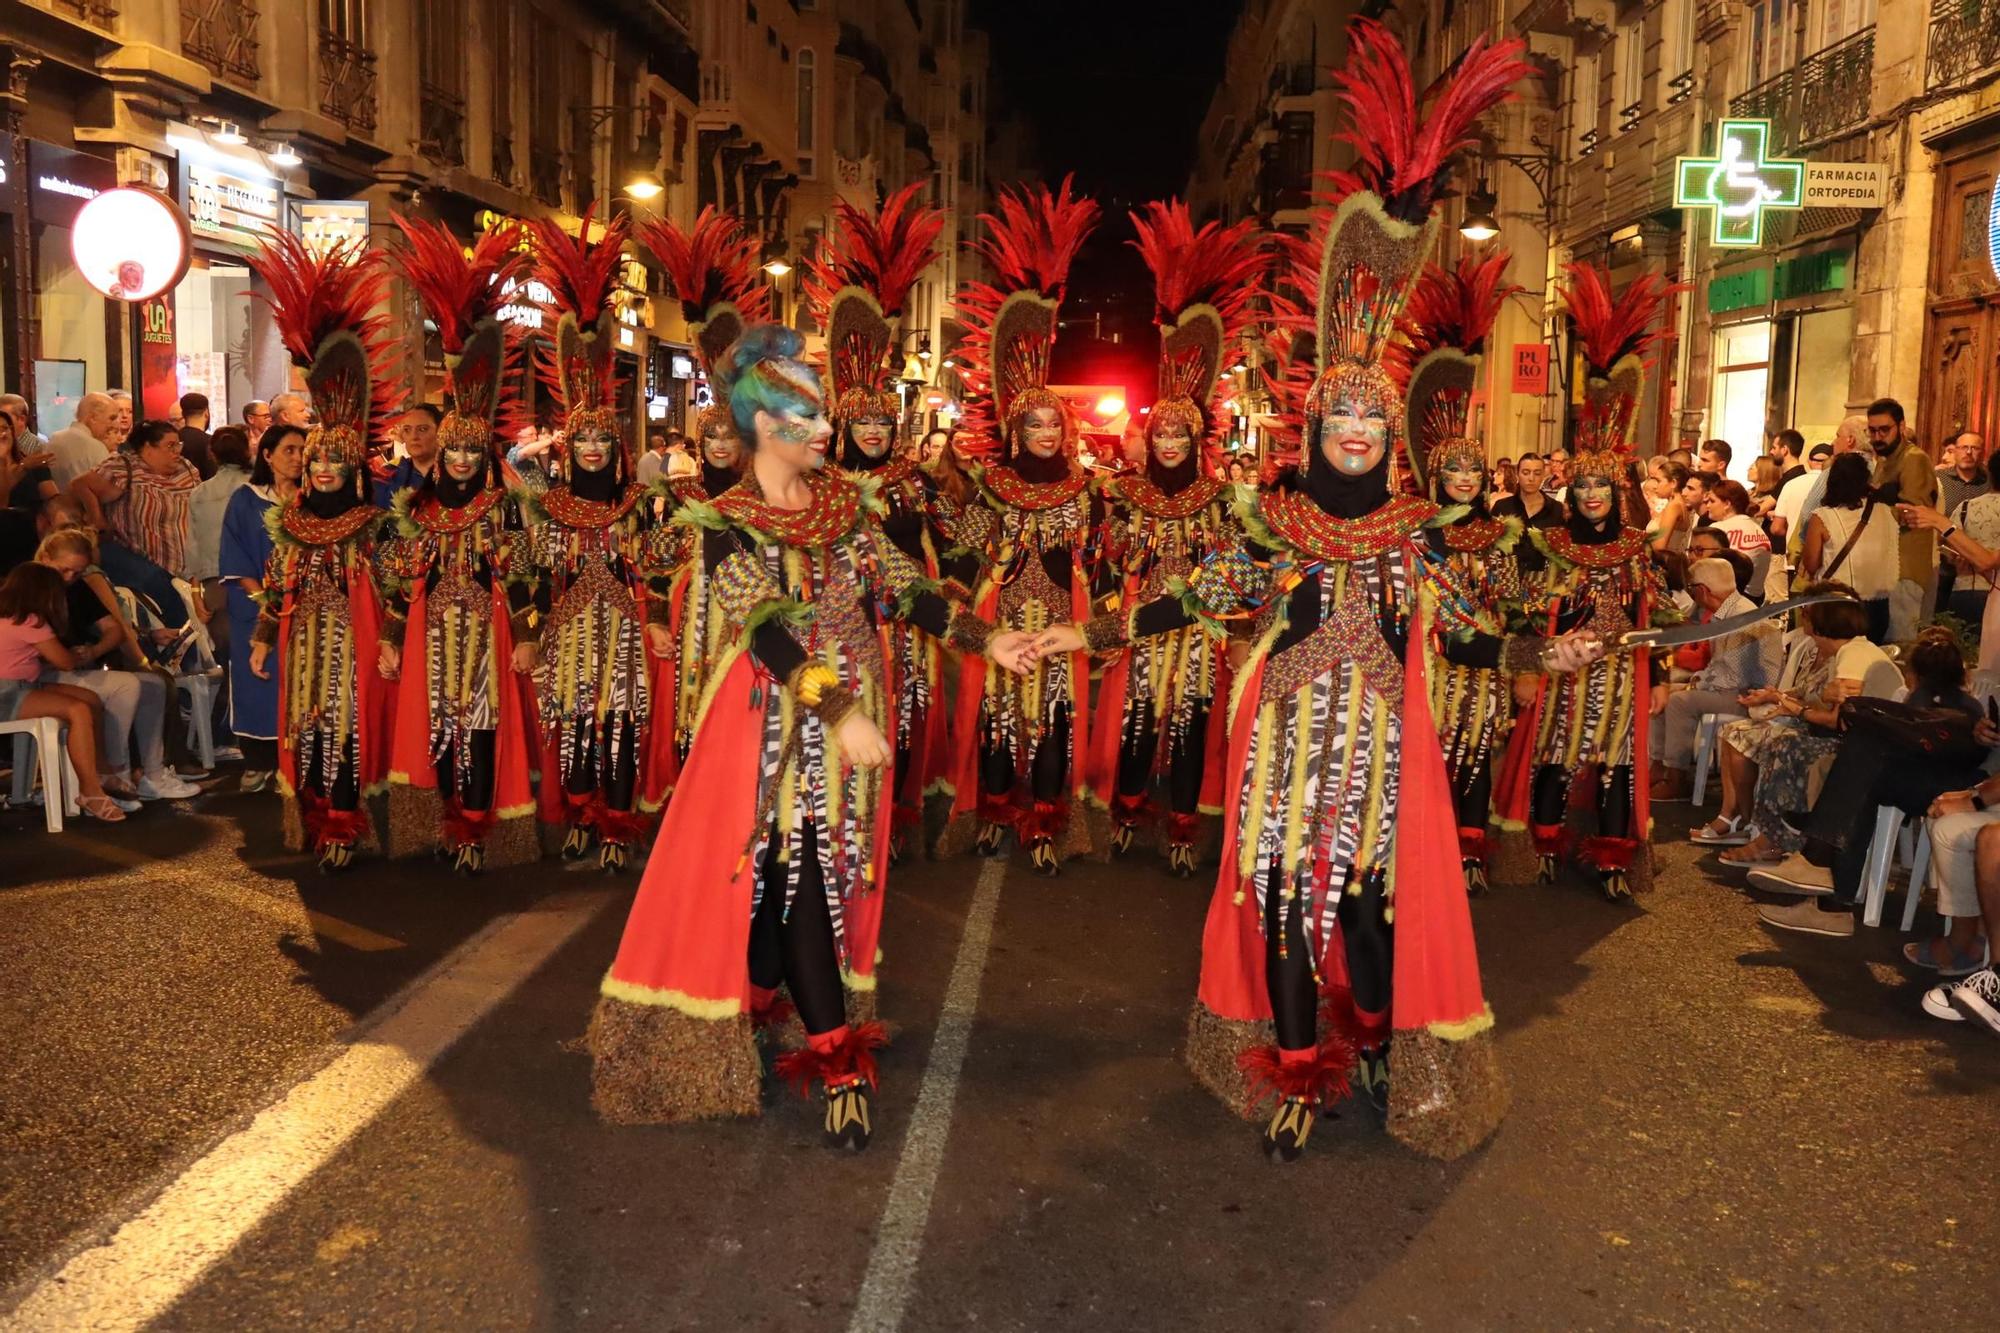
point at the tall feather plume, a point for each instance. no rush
(1616, 336)
(464, 289)
(1206, 282)
(1010, 323)
(1404, 142)
(713, 271)
(858, 281)
(315, 299)
(581, 277)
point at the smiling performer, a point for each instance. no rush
(1601, 577)
(769, 869)
(594, 555)
(322, 614)
(1449, 316)
(461, 586)
(1340, 882)
(714, 274)
(859, 286)
(1165, 521)
(1018, 743)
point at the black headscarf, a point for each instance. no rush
(1173, 480)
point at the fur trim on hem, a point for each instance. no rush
(415, 814)
(652, 1065)
(1445, 1097)
(1215, 1049)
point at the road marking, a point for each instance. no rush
(891, 1277)
(155, 1257)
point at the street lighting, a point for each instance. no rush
(230, 133)
(645, 187)
(777, 268)
(1479, 224)
(285, 156)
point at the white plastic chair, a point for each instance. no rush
(41, 739)
(1707, 740)
(1886, 845)
(199, 685)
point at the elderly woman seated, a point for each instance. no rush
(1765, 760)
(1736, 665)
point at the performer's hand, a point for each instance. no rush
(525, 656)
(1012, 651)
(659, 641)
(389, 661)
(862, 741)
(1526, 687)
(1574, 651)
(260, 660)
(1057, 639)
(1952, 803)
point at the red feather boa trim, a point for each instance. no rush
(1181, 828)
(850, 1059)
(1609, 853)
(618, 825)
(1320, 1078)
(1129, 810)
(1045, 819)
(769, 1008)
(1472, 845)
(325, 826)
(1548, 838)
(999, 810)
(464, 828)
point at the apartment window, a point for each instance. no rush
(345, 19)
(1771, 49)
(1631, 58)
(1677, 52)
(1834, 21)
(808, 112)
(1584, 96)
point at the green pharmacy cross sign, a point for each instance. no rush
(1740, 183)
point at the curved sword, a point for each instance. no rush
(1703, 631)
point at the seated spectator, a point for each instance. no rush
(32, 616)
(15, 408)
(134, 698)
(1979, 561)
(83, 444)
(1728, 510)
(1852, 538)
(1935, 673)
(1764, 768)
(1738, 664)
(25, 484)
(140, 502)
(1977, 996)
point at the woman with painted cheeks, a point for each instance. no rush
(764, 894)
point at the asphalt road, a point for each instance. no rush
(1713, 1126)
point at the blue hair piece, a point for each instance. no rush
(749, 394)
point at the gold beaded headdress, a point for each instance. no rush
(859, 282)
(1613, 333)
(713, 272)
(328, 308)
(1204, 283)
(1011, 323)
(579, 366)
(1445, 327)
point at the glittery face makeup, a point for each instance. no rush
(720, 447)
(1042, 432)
(1593, 496)
(593, 449)
(1354, 434)
(1172, 443)
(463, 463)
(798, 439)
(1463, 479)
(873, 434)
(327, 473)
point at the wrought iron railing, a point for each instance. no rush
(347, 82)
(545, 176)
(1586, 143)
(503, 158)
(1630, 116)
(1965, 39)
(1770, 100)
(441, 125)
(90, 11)
(1832, 88)
(1681, 88)
(222, 36)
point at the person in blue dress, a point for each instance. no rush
(246, 549)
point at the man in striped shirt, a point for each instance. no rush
(140, 500)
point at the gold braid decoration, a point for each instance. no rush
(1103, 633)
(1521, 655)
(835, 703)
(968, 633)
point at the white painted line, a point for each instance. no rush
(899, 1239)
(158, 1255)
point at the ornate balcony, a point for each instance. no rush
(1824, 96)
(545, 176)
(1770, 100)
(347, 82)
(221, 35)
(441, 126)
(1965, 39)
(89, 11)
(503, 159)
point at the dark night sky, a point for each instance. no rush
(1114, 91)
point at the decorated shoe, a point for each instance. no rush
(336, 857)
(990, 838)
(847, 1115)
(611, 858)
(1615, 884)
(576, 844)
(1547, 868)
(1475, 879)
(1289, 1128)
(843, 1062)
(1042, 856)
(1121, 839)
(1180, 859)
(469, 859)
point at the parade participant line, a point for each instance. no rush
(891, 1277)
(160, 1254)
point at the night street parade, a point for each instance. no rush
(943, 664)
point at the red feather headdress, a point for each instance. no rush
(858, 283)
(577, 364)
(463, 291)
(1205, 282)
(1615, 335)
(1011, 322)
(1444, 328)
(328, 309)
(714, 274)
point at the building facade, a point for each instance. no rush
(329, 116)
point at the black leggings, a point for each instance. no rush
(1369, 942)
(1185, 765)
(1472, 791)
(623, 780)
(478, 793)
(1047, 776)
(346, 793)
(797, 949)
(1614, 799)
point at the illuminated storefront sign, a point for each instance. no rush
(1742, 182)
(237, 209)
(324, 224)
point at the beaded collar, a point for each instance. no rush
(1140, 492)
(572, 511)
(1303, 526)
(1008, 488)
(1474, 534)
(311, 530)
(1628, 546)
(434, 516)
(835, 509)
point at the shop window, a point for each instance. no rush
(1739, 398)
(71, 311)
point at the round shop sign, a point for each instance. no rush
(130, 243)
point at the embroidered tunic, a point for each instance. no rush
(1471, 704)
(1589, 715)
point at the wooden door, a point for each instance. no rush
(1961, 384)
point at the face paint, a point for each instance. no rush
(1593, 496)
(721, 448)
(800, 440)
(1463, 480)
(592, 450)
(1042, 432)
(327, 473)
(463, 463)
(873, 434)
(1172, 443)
(1354, 435)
